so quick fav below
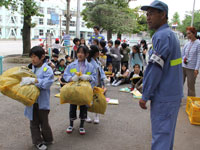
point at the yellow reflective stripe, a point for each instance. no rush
(88, 73)
(176, 62)
(93, 37)
(73, 70)
(45, 69)
(99, 37)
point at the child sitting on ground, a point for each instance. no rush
(61, 67)
(110, 73)
(136, 78)
(67, 60)
(121, 77)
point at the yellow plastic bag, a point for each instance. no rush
(10, 85)
(77, 93)
(99, 103)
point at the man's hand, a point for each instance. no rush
(196, 72)
(142, 104)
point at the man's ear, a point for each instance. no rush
(43, 57)
(163, 15)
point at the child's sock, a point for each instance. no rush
(71, 123)
(82, 123)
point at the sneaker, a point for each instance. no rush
(88, 119)
(69, 129)
(82, 131)
(96, 120)
(49, 143)
(41, 146)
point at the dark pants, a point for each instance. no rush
(116, 66)
(72, 112)
(40, 128)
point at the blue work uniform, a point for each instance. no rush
(74, 67)
(163, 85)
(99, 37)
(45, 79)
(100, 74)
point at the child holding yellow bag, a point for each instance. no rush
(88, 74)
(41, 132)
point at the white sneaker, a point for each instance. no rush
(41, 146)
(96, 119)
(88, 120)
(69, 129)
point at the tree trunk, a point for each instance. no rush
(109, 35)
(68, 16)
(26, 33)
(119, 36)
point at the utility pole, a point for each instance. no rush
(78, 20)
(68, 16)
(60, 27)
(192, 22)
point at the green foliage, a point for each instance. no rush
(175, 19)
(115, 16)
(187, 22)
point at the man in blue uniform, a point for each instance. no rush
(163, 81)
(96, 35)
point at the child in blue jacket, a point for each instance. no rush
(38, 113)
(89, 74)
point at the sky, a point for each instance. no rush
(180, 6)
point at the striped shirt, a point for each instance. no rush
(191, 51)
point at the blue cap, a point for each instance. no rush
(157, 5)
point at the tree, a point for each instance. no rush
(30, 9)
(187, 22)
(68, 16)
(114, 16)
(176, 19)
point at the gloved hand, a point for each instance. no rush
(118, 74)
(85, 77)
(122, 56)
(75, 78)
(115, 56)
(27, 81)
(106, 81)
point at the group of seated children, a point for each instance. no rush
(125, 77)
(57, 65)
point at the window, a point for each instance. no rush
(63, 12)
(48, 31)
(0, 18)
(13, 19)
(0, 32)
(64, 23)
(13, 32)
(50, 10)
(72, 33)
(22, 20)
(41, 32)
(41, 21)
(41, 10)
(49, 22)
(83, 24)
(22, 9)
(72, 23)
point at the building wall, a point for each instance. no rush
(11, 22)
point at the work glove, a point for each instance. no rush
(85, 77)
(75, 78)
(27, 81)
(122, 56)
(106, 81)
(115, 56)
(118, 74)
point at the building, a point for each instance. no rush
(11, 22)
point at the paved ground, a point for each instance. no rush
(123, 127)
